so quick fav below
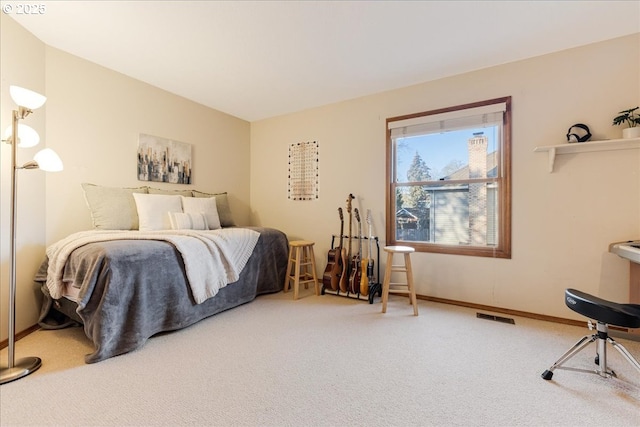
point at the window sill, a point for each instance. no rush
(487, 252)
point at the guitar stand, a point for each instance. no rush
(374, 288)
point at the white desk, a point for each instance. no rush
(631, 251)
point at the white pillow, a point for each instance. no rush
(205, 205)
(153, 208)
(222, 203)
(188, 221)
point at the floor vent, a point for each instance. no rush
(495, 318)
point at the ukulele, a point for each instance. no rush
(356, 272)
(333, 271)
(346, 254)
(365, 276)
(370, 264)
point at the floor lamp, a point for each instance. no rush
(47, 160)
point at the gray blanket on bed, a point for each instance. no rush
(132, 290)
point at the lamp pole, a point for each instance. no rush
(12, 240)
(25, 366)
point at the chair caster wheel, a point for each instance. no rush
(547, 375)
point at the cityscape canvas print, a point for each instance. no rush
(163, 160)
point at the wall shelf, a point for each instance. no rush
(589, 146)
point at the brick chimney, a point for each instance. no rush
(477, 147)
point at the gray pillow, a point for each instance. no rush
(222, 202)
(112, 208)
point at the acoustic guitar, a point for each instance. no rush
(333, 270)
(346, 254)
(356, 271)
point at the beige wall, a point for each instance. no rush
(563, 221)
(93, 118)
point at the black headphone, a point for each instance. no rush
(572, 134)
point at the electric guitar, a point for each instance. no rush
(365, 275)
(346, 254)
(370, 263)
(356, 272)
(333, 271)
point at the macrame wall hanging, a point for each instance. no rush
(303, 171)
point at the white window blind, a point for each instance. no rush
(487, 115)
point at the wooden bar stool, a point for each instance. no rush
(301, 267)
(391, 287)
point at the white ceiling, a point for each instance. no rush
(260, 59)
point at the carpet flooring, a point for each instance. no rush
(327, 361)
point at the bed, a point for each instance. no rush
(124, 286)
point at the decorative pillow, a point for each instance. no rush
(204, 205)
(186, 193)
(112, 208)
(224, 212)
(188, 221)
(153, 209)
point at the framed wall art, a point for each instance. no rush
(303, 171)
(163, 160)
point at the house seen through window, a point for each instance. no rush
(448, 177)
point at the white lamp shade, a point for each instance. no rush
(48, 160)
(27, 136)
(27, 98)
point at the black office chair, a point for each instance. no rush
(604, 313)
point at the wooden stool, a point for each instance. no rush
(399, 268)
(301, 254)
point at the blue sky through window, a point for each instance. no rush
(442, 152)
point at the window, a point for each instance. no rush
(449, 180)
